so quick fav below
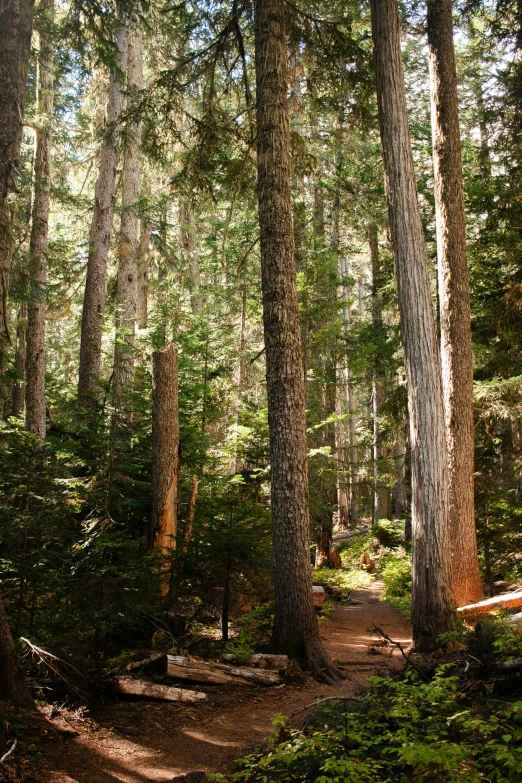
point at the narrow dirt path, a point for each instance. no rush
(136, 742)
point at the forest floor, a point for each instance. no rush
(141, 742)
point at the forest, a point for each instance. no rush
(261, 390)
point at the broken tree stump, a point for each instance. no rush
(505, 601)
(152, 690)
(218, 673)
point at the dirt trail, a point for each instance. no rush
(143, 742)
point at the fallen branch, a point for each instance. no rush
(319, 701)
(9, 752)
(504, 601)
(405, 655)
(54, 663)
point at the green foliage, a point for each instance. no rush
(398, 731)
(349, 580)
(253, 631)
(396, 575)
(389, 532)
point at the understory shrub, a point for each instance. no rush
(396, 575)
(397, 732)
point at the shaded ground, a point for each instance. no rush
(138, 742)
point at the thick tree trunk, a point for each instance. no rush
(165, 452)
(126, 304)
(35, 407)
(13, 686)
(16, 24)
(100, 233)
(18, 395)
(381, 495)
(432, 595)
(455, 308)
(295, 625)
(187, 240)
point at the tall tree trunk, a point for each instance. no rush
(351, 408)
(187, 238)
(142, 313)
(165, 452)
(381, 495)
(16, 24)
(340, 392)
(295, 624)
(35, 407)
(13, 686)
(18, 395)
(100, 232)
(432, 595)
(455, 308)
(127, 284)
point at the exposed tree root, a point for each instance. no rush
(321, 665)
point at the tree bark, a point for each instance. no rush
(16, 24)
(165, 452)
(126, 304)
(381, 495)
(100, 232)
(13, 686)
(295, 626)
(142, 314)
(432, 595)
(18, 395)
(35, 407)
(455, 308)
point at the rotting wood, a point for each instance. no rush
(258, 661)
(506, 601)
(218, 673)
(152, 690)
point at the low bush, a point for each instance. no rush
(396, 732)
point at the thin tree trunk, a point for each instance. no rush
(187, 237)
(381, 495)
(295, 624)
(18, 395)
(165, 452)
(432, 595)
(35, 407)
(100, 232)
(16, 23)
(13, 686)
(455, 308)
(127, 284)
(191, 511)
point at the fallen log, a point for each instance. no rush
(218, 673)
(277, 663)
(152, 690)
(132, 667)
(319, 596)
(505, 601)
(507, 667)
